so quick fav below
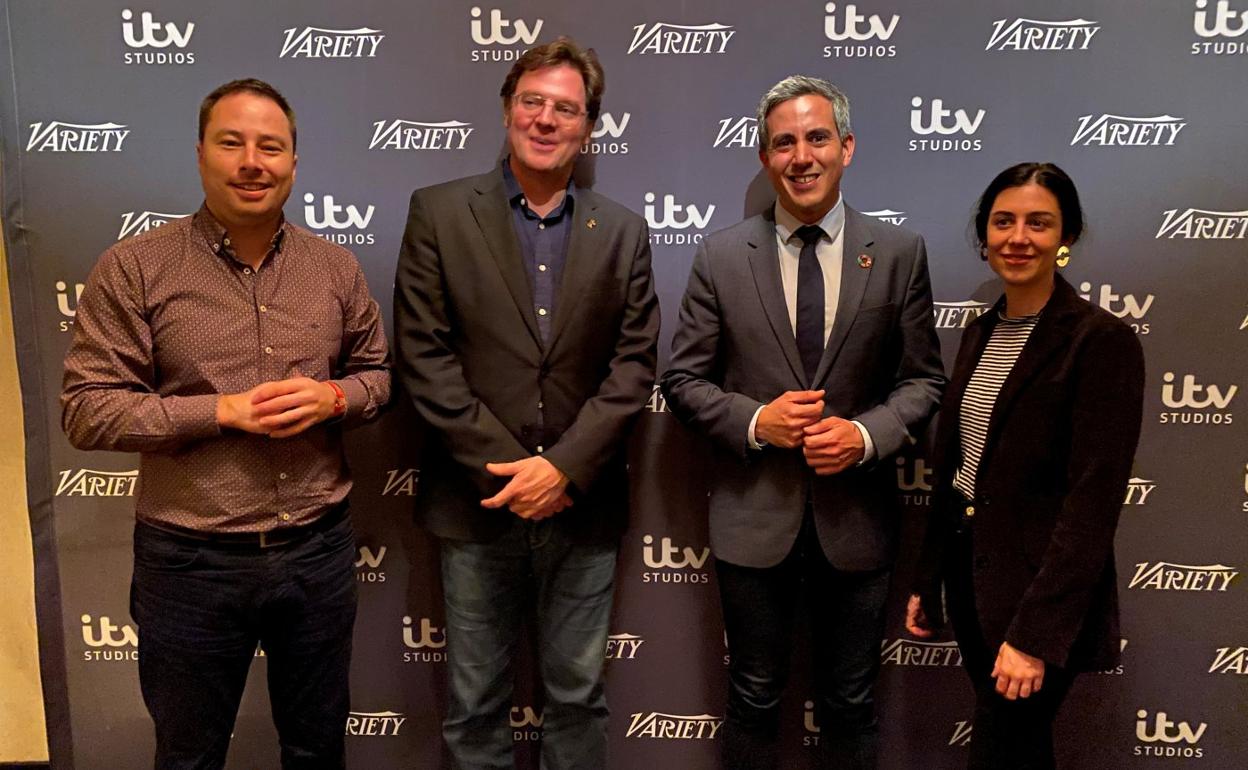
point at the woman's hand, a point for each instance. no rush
(1018, 674)
(916, 620)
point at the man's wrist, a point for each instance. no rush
(339, 406)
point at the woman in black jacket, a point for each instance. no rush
(1037, 432)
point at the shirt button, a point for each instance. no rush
(268, 350)
(541, 311)
(542, 268)
(540, 449)
(539, 404)
(541, 225)
(216, 247)
(246, 271)
(524, 202)
(226, 241)
(281, 475)
(264, 309)
(970, 511)
(285, 517)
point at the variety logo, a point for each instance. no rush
(108, 641)
(679, 727)
(368, 565)
(1164, 576)
(153, 34)
(1032, 35)
(737, 132)
(425, 644)
(905, 652)
(946, 122)
(326, 216)
(1201, 225)
(375, 723)
(672, 564)
(656, 403)
(1220, 21)
(63, 304)
(1230, 660)
(1138, 491)
(1125, 306)
(502, 32)
(961, 733)
(318, 43)
(663, 38)
(1121, 131)
(76, 137)
(608, 129)
(1212, 398)
(888, 216)
(623, 646)
(401, 482)
(1169, 733)
(676, 216)
(526, 724)
(914, 481)
(957, 315)
(85, 482)
(414, 135)
(854, 32)
(133, 223)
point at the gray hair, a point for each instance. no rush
(800, 85)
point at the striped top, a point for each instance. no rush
(1003, 349)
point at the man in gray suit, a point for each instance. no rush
(526, 329)
(807, 352)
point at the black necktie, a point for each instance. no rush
(809, 301)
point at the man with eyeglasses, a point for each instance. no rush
(526, 325)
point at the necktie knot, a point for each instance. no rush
(810, 234)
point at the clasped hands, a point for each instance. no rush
(795, 419)
(1018, 674)
(536, 489)
(277, 409)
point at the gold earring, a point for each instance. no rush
(1063, 256)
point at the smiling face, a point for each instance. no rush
(805, 156)
(1023, 235)
(246, 161)
(545, 140)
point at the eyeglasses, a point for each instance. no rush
(533, 104)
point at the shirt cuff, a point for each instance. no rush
(868, 446)
(754, 443)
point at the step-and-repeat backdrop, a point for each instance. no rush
(1144, 103)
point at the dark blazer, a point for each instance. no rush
(1050, 484)
(734, 350)
(470, 356)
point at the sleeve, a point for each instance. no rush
(691, 384)
(364, 364)
(920, 376)
(602, 422)
(1108, 406)
(428, 365)
(108, 394)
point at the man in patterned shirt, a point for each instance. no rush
(230, 349)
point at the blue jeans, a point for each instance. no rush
(487, 586)
(202, 608)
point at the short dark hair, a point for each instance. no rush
(562, 50)
(1048, 176)
(251, 86)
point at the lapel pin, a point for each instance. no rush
(864, 261)
(591, 223)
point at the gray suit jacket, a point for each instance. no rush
(734, 351)
(470, 356)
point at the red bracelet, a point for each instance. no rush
(340, 399)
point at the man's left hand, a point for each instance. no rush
(536, 489)
(289, 407)
(1018, 674)
(832, 445)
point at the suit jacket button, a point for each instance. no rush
(970, 511)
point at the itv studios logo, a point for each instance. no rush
(168, 40)
(956, 128)
(606, 136)
(1195, 404)
(855, 35)
(676, 224)
(499, 39)
(1219, 27)
(667, 562)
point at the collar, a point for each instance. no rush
(515, 194)
(832, 223)
(218, 237)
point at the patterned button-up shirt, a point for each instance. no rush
(170, 320)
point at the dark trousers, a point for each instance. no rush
(1007, 735)
(846, 612)
(201, 610)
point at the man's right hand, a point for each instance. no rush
(780, 423)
